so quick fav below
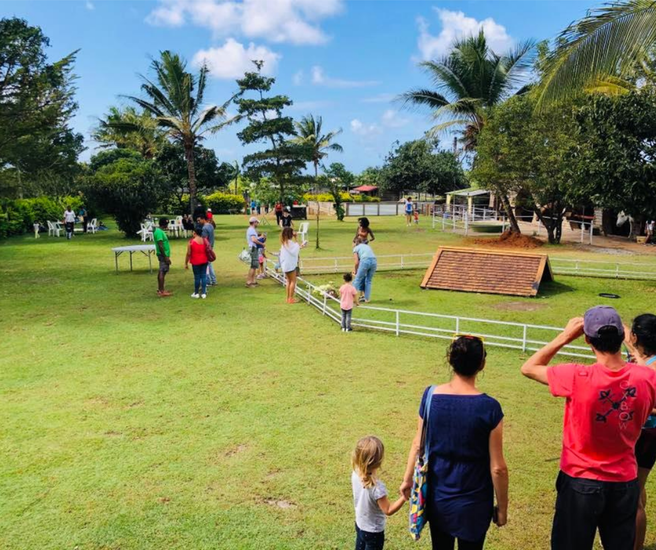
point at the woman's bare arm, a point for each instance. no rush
(499, 471)
(406, 486)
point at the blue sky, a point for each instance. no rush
(342, 59)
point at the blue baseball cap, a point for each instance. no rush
(599, 317)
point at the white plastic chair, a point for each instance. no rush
(54, 229)
(92, 226)
(302, 232)
(145, 232)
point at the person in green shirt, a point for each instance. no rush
(163, 249)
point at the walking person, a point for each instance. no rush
(464, 444)
(163, 249)
(364, 232)
(197, 257)
(641, 342)
(607, 404)
(208, 233)
(69, 222)
(289, 253)
(365, 268)
(370, 499)
(278, 210)
(409, 210)
(252, 241)
(347, 297)
(286, 220)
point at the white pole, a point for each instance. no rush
(397, 323)
(524, 338)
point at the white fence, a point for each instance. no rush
(563, 266)
(504, 334)
(362, 209)
(459, 218)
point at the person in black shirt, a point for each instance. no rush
(286, 220)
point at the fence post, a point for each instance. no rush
(398, 328)
(617, 271)
(402, 265)
(457, 325)
(336, 267)
(591, 232)
(308, 293)
(325, 301)
(524, 338)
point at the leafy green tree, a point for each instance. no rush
(36, 105)
(310, 134)
(338, 181)
(609, 42)
(128, 129)
(129, 188)
(283, 160)
(615, 157)
(175, 99)
(469, 81)
(526, 153)
(419, 166)
(369, 176)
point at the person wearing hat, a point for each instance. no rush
(607, 404)
(252, 240)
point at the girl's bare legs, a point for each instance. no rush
(291, 286)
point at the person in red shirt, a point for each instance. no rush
(197, 256)
(606, 405)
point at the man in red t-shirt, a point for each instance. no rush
(606, 406)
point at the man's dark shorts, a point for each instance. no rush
(163, 264)
(646, 449)
(255, 258)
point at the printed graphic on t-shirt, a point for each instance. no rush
(619, 405)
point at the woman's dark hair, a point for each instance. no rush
(644, 328)
(466, 355)
(364, 223)
(609, 340)
(198, 229)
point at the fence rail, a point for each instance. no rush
(562, 266)
(503, 334)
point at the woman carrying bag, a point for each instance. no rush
(464, 451)
(199, 254)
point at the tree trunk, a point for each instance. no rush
(514, 226)
(191, 170)
(316, 187)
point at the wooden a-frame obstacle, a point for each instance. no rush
(488, 271)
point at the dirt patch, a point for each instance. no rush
(283, 504)
(520, 306)
(510, 240)
(236, 450)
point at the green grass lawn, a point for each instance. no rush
(132, 422)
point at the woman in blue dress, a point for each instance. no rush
(465, 454)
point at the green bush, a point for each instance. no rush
(224, 203)
(17, 216)
(175, 206)
(326, 197)
(365, 198)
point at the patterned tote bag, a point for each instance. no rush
(420, 477)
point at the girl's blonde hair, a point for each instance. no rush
(286, 235)
(367, 458)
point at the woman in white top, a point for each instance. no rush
(289, 252)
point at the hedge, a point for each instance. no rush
(17, 216)
(224, 203)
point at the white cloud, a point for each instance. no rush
(392, 119)
(89, 5)
(455, 24)
(297, 79)
(319, 78)
(293, 21)
(232, 59)
(365, 130)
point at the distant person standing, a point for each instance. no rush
(651, 225)
(347, 297)
(365, 268)
(289, 254)
(82, 214)
(163, 249)
(364, 232)
(606, 406)
(197, 257)
(210, 217)
(208, 233)
(278, 210)
(252, 241)
(253, 207)
(286, 220)
(409, 211)
(69, 222)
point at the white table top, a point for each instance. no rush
(134, 248)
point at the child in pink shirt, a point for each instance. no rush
(347, 296)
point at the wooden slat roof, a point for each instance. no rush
(487, 271)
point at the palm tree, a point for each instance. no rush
(309, 133)
(468, 81)
(126, 128)
(609, 42)
(175, 100)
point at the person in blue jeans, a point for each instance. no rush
(365, 268)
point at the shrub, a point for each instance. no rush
(18, 215)
(224, 203)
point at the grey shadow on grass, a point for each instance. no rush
(553, 288)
